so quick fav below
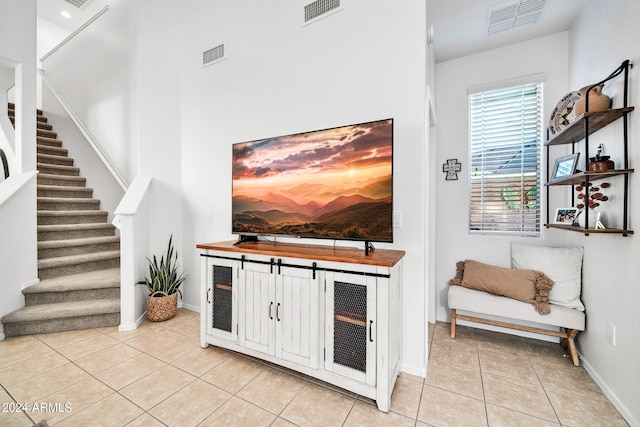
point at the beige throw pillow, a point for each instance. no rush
(523, 285)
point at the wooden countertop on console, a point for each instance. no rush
(381, 257)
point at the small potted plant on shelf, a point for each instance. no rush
(590, 199)
(163, 284)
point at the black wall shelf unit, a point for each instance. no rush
(580, 129)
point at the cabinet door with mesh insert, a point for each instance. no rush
(350, 329)
(221, 297)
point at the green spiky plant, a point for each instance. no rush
(164, 276)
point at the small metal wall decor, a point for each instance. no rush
(451, 168)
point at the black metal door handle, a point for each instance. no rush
(270, 306)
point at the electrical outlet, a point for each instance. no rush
(211, 217)
(397, 219)
(611, 333)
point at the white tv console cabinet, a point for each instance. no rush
(330, 313)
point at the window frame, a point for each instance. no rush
(484, 187)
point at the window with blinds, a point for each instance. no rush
(505, 139)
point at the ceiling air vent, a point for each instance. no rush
(77, 3)
(213, 55)
(319, 9)
(511, 14)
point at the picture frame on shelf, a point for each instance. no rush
(565, 216)
(565, 166)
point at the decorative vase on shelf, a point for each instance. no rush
(594, 217)
(598, 101)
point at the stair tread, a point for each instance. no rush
(52, 157)
(64, 188)
(83, 241)
(67, 199)
(51, 147)
(99, 279)
(77, 259)
(40, 312)
(61, 177)
(48, 138)
(43, 212)
(64, 227)
(61, 167)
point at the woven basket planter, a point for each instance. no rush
(161, 307)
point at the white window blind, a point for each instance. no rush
(505, 136)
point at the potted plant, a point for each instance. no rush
(163, 284)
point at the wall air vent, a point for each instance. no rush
(319, 9)
(513, 13)
(77, 3)
(213, 55)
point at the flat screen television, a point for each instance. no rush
(333, 184)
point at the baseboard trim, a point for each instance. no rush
(191, 307)
(413, 370)
(30, 283)
(633, 421)
(134, 325)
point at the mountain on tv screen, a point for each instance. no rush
(334, 183)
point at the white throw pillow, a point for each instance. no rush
(562, 265)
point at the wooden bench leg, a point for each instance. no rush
(453, 323)
(570, 344)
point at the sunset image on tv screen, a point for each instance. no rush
(334, 183)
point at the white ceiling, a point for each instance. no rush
(50, 10)
(460, 26)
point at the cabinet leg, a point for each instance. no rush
(384, 403)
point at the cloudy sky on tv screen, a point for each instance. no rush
(334, 183)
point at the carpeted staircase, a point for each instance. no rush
(78, 250)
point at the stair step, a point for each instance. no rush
(44, 126)
(61, 204)
(61, 180)
(78, 250)
(11, 106)
(76, 264)
(51, 150)
(49, 169)
(68, 247)
(53, 142)
(68, 316)
(54, 160)
(46, 133)
(64, 191)
(71, 217)
(94, 285)
(74, 231)
(39, 119)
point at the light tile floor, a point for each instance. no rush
(158, 375)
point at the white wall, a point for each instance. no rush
(49, 36)
(363, 63)
(100, 84)
(159, 121)
(604, 36)
(18, 245)
(547, 55)
(105, 187)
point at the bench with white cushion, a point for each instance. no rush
(567, 316)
